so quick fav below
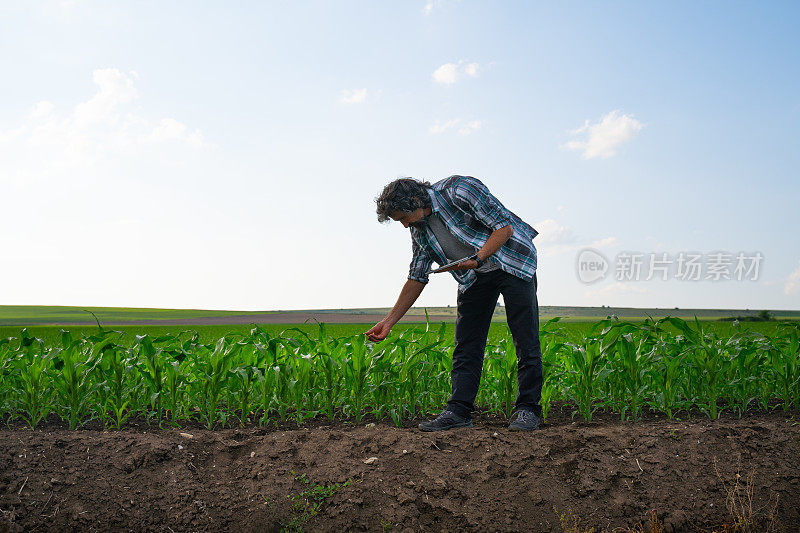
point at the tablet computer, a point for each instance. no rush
(453, 263)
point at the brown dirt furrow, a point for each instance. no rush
(610, 474)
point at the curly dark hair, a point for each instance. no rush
(405, 195)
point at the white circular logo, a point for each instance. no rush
(591, 266)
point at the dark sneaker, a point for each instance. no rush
(524, 420)
(446, 420)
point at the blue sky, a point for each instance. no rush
(227, 155)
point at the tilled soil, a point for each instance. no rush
(609, 474)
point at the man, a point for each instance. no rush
(455, 218)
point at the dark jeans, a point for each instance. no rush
(475, 308)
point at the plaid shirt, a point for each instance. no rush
(471, 213)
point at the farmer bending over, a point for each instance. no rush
(456, 218)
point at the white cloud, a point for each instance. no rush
(603, 138)
(471, 126)
(792, 285)
(114, 90)
(604, 243)
(449, 73)
(557, 239)
(467, 127)
(42, 109)
(446, 74)
(353, 96)
(441, 127)
(169, 129)
(104, 169)
(551, 232)
(105, 126)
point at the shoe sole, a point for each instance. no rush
(454, 426)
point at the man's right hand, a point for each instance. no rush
(379, 331)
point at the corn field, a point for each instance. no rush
(666, 365)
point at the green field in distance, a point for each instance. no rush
(208, 333)
(29, 315)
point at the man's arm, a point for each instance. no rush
(417, 279)
(495, 241)
(411, 291)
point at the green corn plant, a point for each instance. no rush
(7, 379)
(583, 370)
(151, 367)
(211, 377)
(117, 385)
(282, 372)
(282, 379)
(108, 405)
(296, 400)
(549, 390)
(327, 356)
(791, 333)
(265, 354)
(302, 387)
(784, 364)
(269, 383)
(629, 360)
(432, 378)
(745, 371)
(174, 379)
(73, 366)
(263, 389)
(243, 380)
(706, 365)
(31, 368)
(426, 381)
(404, 378)
(358, 367)
(414, 369)
(502, 366)
(175, 352)
(438, 380)
(666, 374)
(553, 343)
(383, 382)
(489, 390)
(399, 390)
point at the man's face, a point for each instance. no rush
(415, 218)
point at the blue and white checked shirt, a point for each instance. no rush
(471, 213)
